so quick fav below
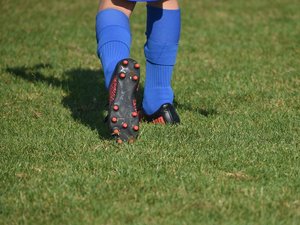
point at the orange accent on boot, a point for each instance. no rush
(113, 90)
(159, 120)
(140, 115)
(134, 104)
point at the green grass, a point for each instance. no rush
(235, 158)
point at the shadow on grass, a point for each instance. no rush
(86, 94)
(202, 111)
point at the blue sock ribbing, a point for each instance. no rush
(163, 31)
(113, 40)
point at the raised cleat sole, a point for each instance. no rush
(123, 116)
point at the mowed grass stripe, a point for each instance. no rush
(233, 160)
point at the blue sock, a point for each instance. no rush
(163, 33)
(113, 40)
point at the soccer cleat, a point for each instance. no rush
(166, 114)
(122, 120)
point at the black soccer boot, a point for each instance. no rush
(123, 120)
(166, 114)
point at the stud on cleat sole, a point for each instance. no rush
(136, 66)
(131, 140)
(116, 132)
(124, 125)
(134, 114)
(135, 78)
(125, 62)
(116, 108)
(122, 75)
(114, 120)
(136, 128)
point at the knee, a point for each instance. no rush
(165, 4)
(125, 7)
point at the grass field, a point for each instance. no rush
(235, 159)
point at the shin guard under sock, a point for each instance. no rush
(113, 39)
(163, 32)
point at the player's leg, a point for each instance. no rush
(121, 73)
(163, 32)
(113, 34)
